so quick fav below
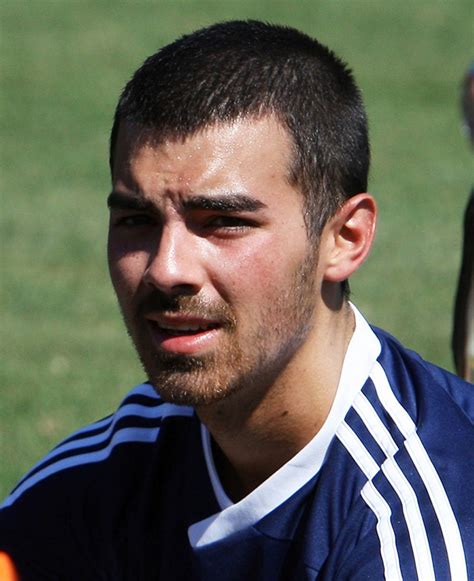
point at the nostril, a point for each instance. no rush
(172, 282)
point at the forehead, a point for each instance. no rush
(246, 152)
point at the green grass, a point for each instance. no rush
(66, 358)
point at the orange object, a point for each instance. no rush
(7, 568)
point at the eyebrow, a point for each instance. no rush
(232, 202)
(121, 200)
(226, 203)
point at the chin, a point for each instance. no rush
(191, 381)
(189, 390)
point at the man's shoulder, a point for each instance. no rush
(419, 384)
(410, 434)
(89, 501)
(102, 446)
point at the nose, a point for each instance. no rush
(175, 266)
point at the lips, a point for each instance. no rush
(181, 334)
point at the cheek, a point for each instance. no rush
(126, 271)
(257, 273)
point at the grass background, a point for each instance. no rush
(66, 358)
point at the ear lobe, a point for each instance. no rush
(350, 234)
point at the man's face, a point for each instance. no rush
(210, 259)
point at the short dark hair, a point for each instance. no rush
(241, 69)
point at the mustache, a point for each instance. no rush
(189, 305)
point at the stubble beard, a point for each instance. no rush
(281, 328)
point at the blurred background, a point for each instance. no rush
(66, 359)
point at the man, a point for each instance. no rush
(278, 436)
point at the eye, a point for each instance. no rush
(234, 223)
(133, 220)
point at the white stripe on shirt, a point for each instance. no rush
(374, 501)
(428, 473)
(120, 437)
(404, 490)
(128, 434)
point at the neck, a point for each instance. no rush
(254, 439)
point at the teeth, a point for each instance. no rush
(184, 328)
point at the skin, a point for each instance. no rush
(231, 308)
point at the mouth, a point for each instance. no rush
(183, 335)
(181, 329)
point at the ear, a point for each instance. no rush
(348, 237)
